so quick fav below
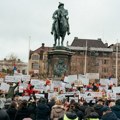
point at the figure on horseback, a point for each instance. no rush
(60, 25)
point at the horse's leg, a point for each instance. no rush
(62, 40)
(55, 40)
(58, 41)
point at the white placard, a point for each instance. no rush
(94, 94)
(92, 75)
(61, 96)
(1, 80)
(57, 84)
(70, 79)
(21, 89)
(25, 77)
(17, 78)
(39, 95)
(38, 84)
(73, 98)
(5, 87)
(116, 89)
(9, 78)
(111, 95)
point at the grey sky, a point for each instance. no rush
(20, 19)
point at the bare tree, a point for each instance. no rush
(12, 57)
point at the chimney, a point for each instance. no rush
(106, 44)
(99, 39)
(43, 45)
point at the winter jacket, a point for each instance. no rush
(70, 116)
(4, 115)
(98, 109)
(11, 112)
(109, 116)
(116, 110)
(57, 112)
(42, 111)
(10, 93)
(22, 113)
(32, 110)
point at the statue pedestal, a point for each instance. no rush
(59, 62)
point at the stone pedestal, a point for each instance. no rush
(59, 60)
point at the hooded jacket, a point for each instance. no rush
(70, 116)
(57, 112)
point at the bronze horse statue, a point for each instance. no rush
(60, 29)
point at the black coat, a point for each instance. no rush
(51, 104)
(32, 110)
(98, 109)
(11, 112)
(116, 110)
(4, 115)
(22, 113)
(71, 115)
(42, 112)
(109, 116)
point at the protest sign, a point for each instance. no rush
(61, 96)
(94, 94)
(38, 84)
(116, 89)
(5, 87)
(74, 98)
(9, 78)
(70, 79)
(39, 95)
(25, 77)
(1, 80)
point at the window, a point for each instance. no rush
(35, 57)
(105, 61)
(105, 70)
(35, 66)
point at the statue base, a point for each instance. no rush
(59, 62)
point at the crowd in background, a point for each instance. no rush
(55, 109)
(13, 107)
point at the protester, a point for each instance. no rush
(12, 110)
(42, 110)
(10, 93)
(51, 103)
(3, 113)
(23, 111)
(116, 108)
(108, 114)
(70, 114)
(57, 111)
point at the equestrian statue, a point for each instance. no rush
(60, 25)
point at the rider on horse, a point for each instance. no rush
(61, 12)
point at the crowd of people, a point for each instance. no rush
(14, 107)
(56, 109)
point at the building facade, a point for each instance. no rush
(38, 62)
(89, 56)
(7, 66)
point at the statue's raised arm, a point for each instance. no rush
(60, 25)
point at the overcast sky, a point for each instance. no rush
(89, 19)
